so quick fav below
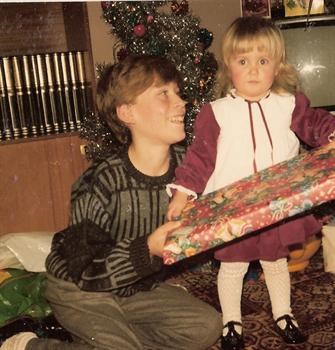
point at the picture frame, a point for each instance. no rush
(259, 8)
(277, 9)
(294, 8)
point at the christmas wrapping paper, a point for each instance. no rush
(255, 202)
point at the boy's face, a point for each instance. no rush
(158, 114)
(252, 73)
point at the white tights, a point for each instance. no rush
(230, 286)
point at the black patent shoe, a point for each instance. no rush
(291, 333)
(232, 340)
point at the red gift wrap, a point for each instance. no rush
(284, 190)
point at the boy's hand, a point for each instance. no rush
(157, 239)
(176, 205)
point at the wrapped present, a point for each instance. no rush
(284, 190)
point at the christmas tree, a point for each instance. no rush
(164, 28)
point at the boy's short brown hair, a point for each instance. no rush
(122, 82)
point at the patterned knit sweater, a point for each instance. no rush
(113, 209)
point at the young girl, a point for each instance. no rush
(257, 123)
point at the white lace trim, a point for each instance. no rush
(180, 188)
(331, 137)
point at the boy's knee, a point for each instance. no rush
(210, 330)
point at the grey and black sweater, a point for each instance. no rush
(113, 209)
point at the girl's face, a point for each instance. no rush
(252, 73)
(158, 114)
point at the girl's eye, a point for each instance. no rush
(242, 61)
(263, 61)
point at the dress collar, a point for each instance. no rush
(233, 94)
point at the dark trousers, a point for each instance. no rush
(164, 318)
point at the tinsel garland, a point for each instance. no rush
(164, 28)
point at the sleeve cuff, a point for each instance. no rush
(141, 259)
(180, 188)
(331, 137)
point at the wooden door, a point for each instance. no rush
(35, 183)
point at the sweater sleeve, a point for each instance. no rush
(314, 126)
(97, 259)
(199, 161)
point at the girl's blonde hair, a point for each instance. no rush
(246, 33)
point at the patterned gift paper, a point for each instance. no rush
(257, 201)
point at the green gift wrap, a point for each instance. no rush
(22, 293)
(255, 202)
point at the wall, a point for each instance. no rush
(215, 15)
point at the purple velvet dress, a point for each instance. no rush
(314, 127)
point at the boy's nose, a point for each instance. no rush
(180, 101)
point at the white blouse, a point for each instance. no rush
(247, 141)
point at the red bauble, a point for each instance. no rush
(140, 30)
(122, 53)
(150, 19)
(184, 7)
(104, 5)
(181, 8)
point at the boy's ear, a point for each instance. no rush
(124, 113)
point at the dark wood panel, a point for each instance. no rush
(36, 174)
(76, 26)
(25, 196)
(28, 28)
(35, 183)
(66, 163)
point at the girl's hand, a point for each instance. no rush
(157, 239)
(176, 205)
